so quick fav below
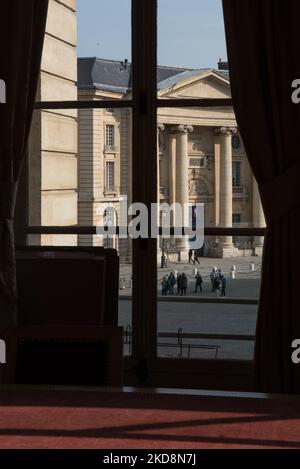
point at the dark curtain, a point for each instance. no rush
(264, 58)
(22, 28)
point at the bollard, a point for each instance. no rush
(232, 273)
(195, 271)
(122, 283)
(252, 266)
(175, 273)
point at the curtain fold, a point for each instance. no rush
(264, 58)
(22, 28)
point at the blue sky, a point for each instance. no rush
(190, 32)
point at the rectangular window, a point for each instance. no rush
(198, 162)
(110, 176)
(236, 174)
(217, 333)
(238, 241)
(236, 218)
(110, 135)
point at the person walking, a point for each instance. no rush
(191, 256)
(223, 285)
(217, 280)
(183, 284)
(212, 279)
(199, 282)
(196, 256)
(178, 283)
(164, 286)
(171, 282)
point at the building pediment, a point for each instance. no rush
(196, 84)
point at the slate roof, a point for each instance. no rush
(112, 75)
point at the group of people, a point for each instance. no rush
(169, 281)
(218, 281)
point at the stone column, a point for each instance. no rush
(225, 205)
(182, 182)
(172, 169)
(160, 128)
(258, 218)
(170, 176)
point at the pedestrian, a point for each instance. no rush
(196, 256)
(164, 286)
(191, 256)
(223, 286)
(216, 281)
(171, 283)
(183, 284)
(212, 279)
(199, 282)
(178, 283)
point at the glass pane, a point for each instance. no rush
(87, 50)
(75, 179)
(202, 161)
(215, 316)
(191, 49)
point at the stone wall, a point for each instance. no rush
(53, 140)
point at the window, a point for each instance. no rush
(109, 219)
(235, 141)
(200, 162)
(110, 135)
(236, 218)
(137, 161)
(236, 174)
(110, 176)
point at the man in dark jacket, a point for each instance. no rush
(171, 282)
(199, 282)
(223, 285)
(183, 284)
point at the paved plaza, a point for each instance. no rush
(200, 317)
(245, 285)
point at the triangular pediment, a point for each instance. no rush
(196, 84)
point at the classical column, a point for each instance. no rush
(182, 181)
(172, 169)
(258, 218)
(225, 204)
(217, 177)
(160, 128)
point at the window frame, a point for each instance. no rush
(110, 187)
(237, 174)
(144, 366)
(109, 135)
(236, 216)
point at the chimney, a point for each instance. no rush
(222, 65)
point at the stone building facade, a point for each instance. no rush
(82, 160)
(201, 155)
(52, 165)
